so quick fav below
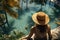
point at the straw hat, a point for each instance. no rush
(41, 14)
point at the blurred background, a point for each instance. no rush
(21, 26)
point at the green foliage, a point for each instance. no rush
(11, 37)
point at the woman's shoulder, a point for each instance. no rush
(33, 27)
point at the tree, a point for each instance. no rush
(8, 4)
(5, 7)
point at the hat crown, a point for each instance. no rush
(41, 17)
(41, 14)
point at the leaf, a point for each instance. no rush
(11, 12)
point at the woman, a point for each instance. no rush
(41, 29)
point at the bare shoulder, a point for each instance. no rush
(33, 27)
(49, 28)
(48, 25)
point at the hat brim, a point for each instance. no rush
(34, 18)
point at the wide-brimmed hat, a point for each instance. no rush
(41, 14)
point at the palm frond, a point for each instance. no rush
(8, 5)
(10, 11)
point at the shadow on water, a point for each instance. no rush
(6, 29)
(57, 11)
(22, 12)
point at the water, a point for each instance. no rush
(24, 19)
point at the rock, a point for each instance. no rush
(56, 33)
